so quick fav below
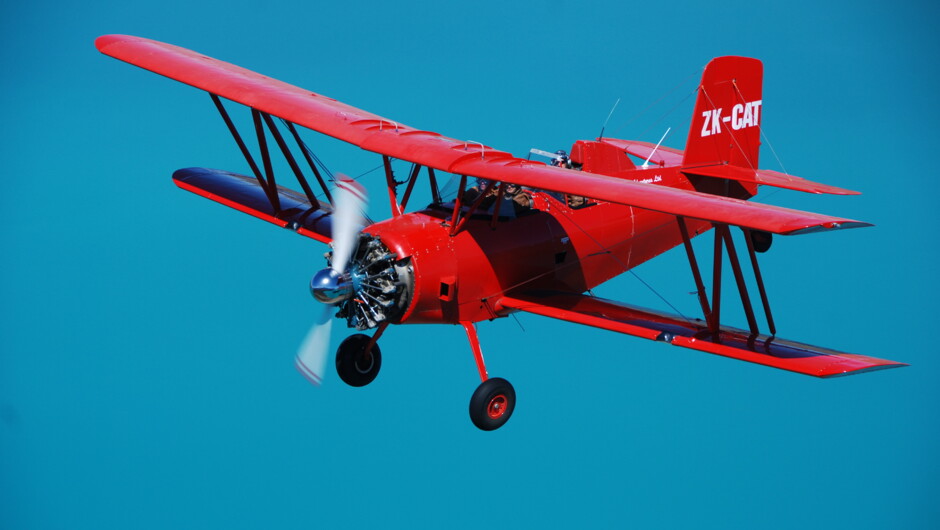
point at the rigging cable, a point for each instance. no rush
(604, 250)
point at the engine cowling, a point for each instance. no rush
(380, 285)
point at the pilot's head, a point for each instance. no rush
(561, 158)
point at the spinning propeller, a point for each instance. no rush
(334, 284)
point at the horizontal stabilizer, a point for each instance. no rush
(693, 334)
(766, 177)
(246, 195)
(629, 191)
(658, 156)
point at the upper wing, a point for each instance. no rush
(374, 133)
(734, 343)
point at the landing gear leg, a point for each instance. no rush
(494, 400)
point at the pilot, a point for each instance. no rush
(483, 187)
(561, 160)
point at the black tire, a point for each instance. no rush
(492, 404)
(761, 240)
(353, 366)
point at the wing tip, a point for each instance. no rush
(827, 227)
(885, 366)
(105, 41)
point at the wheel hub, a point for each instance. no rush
(364, 364)
(496, 406)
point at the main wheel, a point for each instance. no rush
(761, 240)
(492, 404)
(354, 367)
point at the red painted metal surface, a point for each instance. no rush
(766, 177)
(662, 156)
(725, 126)
(694, 334)
(602, 158)
(552, 247)
(497, 406)
(477, 351)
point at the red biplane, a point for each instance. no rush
(518, 234)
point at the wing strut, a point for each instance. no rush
(459, 222)
(435, 192)
(241, 143)
(712, 311)
(458, 203)
(760, 281)
(398, 208)
(266, 180)
(697, 275)
(271, 187)
(411, 185)
(289, 157)
(306, 151)
(392, 186)
(725, 233)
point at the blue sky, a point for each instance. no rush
(147, 335)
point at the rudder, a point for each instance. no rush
(725, 125)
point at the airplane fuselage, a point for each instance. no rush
(461, 277)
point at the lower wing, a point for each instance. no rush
(694, 334)
(246, 195)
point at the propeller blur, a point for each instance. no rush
(333, 284)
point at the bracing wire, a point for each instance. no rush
(603, 250)
(654, 103)
(314, 156)
(624, 265)
(764, 136)
(668, 112)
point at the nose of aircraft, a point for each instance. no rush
(331, 287)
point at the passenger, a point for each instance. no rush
(561, 159)
(521, 200)
(576, 201)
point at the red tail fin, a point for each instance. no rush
(726, 123)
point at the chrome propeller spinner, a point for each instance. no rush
(331, 287)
